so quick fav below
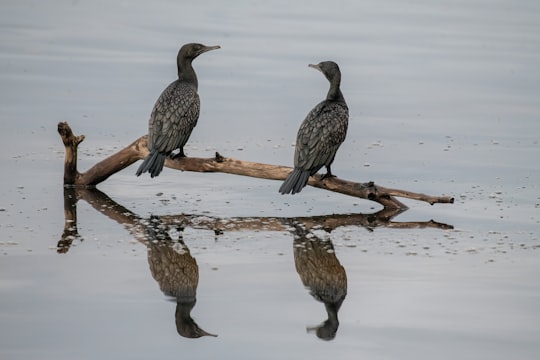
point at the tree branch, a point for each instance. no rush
(139, 150)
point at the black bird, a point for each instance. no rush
(320, 134)
(175, 113)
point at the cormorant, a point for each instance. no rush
(320, 134)
(175, 113)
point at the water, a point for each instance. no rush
(443, 99)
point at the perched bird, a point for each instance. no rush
(175, 113)
(320, 134)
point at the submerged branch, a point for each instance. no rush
(138, 150)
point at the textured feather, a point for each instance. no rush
(294, 183)
(320, 136)
(173, 118)
(152, 164)
(318, 139)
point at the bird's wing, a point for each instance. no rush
(320, 135)
(173, 118)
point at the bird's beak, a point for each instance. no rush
(208, 48)
(315, 66)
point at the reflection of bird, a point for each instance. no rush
(175, 113)
(321, 272)
(177, 274)
(320, 134)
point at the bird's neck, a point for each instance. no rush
(334, 93)
(187, 74)
(332, 311)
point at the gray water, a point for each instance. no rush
(444, 100)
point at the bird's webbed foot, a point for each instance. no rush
(177, 154)
(328, 174)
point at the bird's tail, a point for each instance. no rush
(295, 182)
(153, 164)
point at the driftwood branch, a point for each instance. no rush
(138, 150)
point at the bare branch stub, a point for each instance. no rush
(139, 150)
(71, 144)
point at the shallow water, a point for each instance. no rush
(443, 99)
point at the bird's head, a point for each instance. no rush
(329, 68)
(191, 51)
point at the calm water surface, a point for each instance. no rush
(443, 99)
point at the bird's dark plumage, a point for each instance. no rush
(320, 134)
(175, 113)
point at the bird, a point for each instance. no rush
(321, 133)
(175, 113)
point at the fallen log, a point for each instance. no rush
(138, 150)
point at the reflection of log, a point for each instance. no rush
(382, 218)
(138, 150)
(135, 225)
(70, 221)
(324, 276)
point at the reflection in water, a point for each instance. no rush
(70, 232)
(177, 272)
(322, 273)
(170, 261)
